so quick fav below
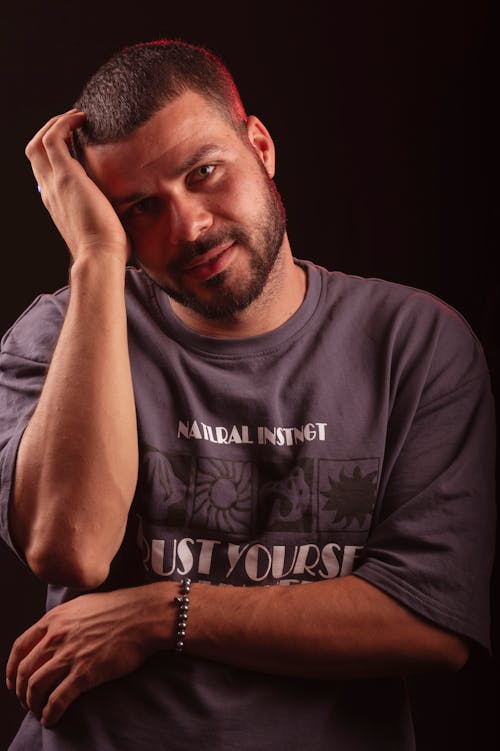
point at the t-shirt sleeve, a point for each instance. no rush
(432, 544)
(25, 354)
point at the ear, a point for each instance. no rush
(262, 143)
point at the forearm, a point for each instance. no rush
(343, 628)
(77, 463)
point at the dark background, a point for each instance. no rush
(382, 113)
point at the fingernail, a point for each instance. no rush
(8, 683)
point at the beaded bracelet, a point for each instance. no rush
(182, 601)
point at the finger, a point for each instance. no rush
(41, 684)
(55, 140)
(41, 653)
(22, 647)
(34, 143)
(45, 127)
(36, 150)
(60, 699)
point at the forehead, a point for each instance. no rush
(180, 129)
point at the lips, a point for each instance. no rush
(210, 263)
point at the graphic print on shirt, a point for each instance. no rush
(349, 498)
(244, 522)
(222, 500)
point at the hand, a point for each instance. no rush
(83, 215)
(88, 641)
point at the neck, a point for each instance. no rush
(280, 299)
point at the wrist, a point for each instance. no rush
(163, 612)
(87, 266)
(182, 602)
(171, 621)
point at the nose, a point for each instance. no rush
(187, 218)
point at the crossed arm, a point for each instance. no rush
(332, 629)
(343, 628)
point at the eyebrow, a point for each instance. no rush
(131, 198)
(203, 152)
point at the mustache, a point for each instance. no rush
(189, 251)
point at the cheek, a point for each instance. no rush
(241, 200)
(146, 245)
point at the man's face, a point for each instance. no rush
(198, 203)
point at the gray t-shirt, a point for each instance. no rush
(357, 438)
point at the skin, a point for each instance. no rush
(87, 406)
(226, 189)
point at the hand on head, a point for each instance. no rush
(83, 215)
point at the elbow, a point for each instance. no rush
(65, 570)
(452, 654)
(457, 653)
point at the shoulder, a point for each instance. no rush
(34, 334)
(369, 294)
(413, 327)
(381, 302)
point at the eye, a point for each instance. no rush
(201, 173)
(139, 208)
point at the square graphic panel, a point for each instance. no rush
(346, 493)
(285, 499)
(223, 496)
(163, 487)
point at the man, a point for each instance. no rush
(229, 415)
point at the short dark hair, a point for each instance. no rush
(139, 80)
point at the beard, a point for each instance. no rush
(263, 248)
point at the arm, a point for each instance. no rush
(77, 463)
(342, 628)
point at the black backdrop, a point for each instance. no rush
(382, 115)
